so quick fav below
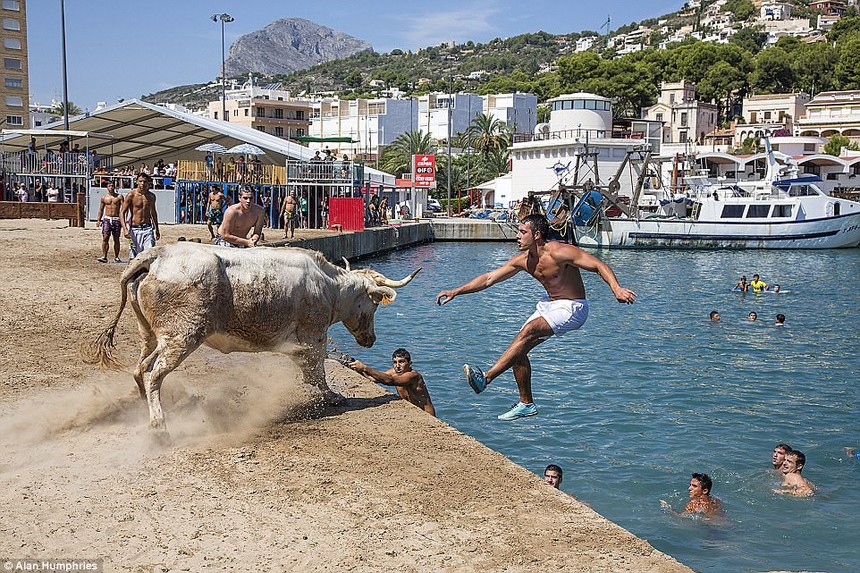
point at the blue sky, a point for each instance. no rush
(123, 49)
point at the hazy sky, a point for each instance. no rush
(123, 49)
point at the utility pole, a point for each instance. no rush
(224, 18)
(450, 116)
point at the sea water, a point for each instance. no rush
(646, 394)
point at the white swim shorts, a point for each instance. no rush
(562, 315)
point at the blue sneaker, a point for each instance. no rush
(519, 410)
(476, 378)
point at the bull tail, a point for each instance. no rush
(100, 351)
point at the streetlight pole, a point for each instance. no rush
(450, 112)
(223, 18)
(65, 81)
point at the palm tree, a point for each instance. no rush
(487, 133)
(397, 157)
(59, 109)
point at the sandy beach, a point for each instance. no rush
(250, 481)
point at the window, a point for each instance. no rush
(235, 113)
(758, 211)
(753, 117)
(578, 104)
(279, 131)
(300, 114)
(12, 63)
(14, 101)
(682, 137)
(261, 112)
(12, 5)
(809, 147)
(683, 119)
(767, 115)
(12, 43)
(14, 120)
(732, 211)
(216, 115)
(11, 24)
(261, 128)
(13, 82)
(300, 132)
(279, 113)
(659, 117)
(781, 211)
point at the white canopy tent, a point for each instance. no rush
(139, 131)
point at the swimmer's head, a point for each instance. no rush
(715, 316)
(553, 475)
(700, 484)
(752, 316)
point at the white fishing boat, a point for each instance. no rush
(781, 211)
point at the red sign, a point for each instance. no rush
(424, 171)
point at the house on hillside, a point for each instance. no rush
(767, 114)
(831, 113)
(685, 120)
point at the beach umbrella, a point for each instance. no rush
(212, 148)
(246, 149)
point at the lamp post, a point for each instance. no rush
(224, 18)
(450, 101)
(65, 81)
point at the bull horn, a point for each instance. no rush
(346, 263)
(397, 284)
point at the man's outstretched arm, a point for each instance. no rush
(481, 282)
(389, 378)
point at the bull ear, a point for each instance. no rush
(382, 295)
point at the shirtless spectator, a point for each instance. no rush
(239, 220)
(778, 457)
(290, 214)
(218, 203)
(409, 383)
(108, 217)
(700, 497)
(793, 483)
(138, 216)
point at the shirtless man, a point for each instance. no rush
(700, 497)
(742, 285)
(218, 202)
(793, 483)
(239, 220)
(290, 214)
(556, 266)
(409, 383)
(553, 475)
(108, 217)
(778, 456)
(138, 216)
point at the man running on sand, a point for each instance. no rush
(564, 308)
(218, 202)
(239, 219)
(108, 217)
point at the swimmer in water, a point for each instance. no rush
(793, 483)
(701, 501)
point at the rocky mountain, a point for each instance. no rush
(288, 45)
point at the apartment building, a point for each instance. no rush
(268, 109)
(14, 92)
(434, 111)
(831, 113)
(767, 114)
(517, 110)
(368, 124)
(685, 119)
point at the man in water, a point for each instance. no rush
(752, 317)
(780, 320)
(793, 483)
(109, 208)
(775, 289)
(239, 220)
(553, 475)
(758, 285)
(138, 216)
(714, 316)
(701, 500)
(556, 266)
(218, 202)
(778, 456)
(743, 285)
(408, 382)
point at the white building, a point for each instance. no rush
(368, 123)
(585, 43)
(830, 113)
(767, 114)
(685, 120)
(775, 11)
(518, 111)
(434, 110)
(575, 119)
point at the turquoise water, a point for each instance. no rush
(646, 394)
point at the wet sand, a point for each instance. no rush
(250, 481)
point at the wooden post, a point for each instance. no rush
(82, 200)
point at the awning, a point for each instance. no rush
(312, 139)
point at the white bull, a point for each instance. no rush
(239, 300)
